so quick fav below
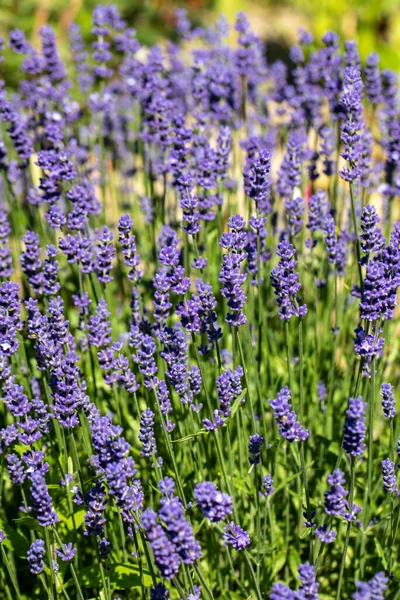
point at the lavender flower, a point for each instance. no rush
(375, 588)
(179, 529)
(336, 494)
(373, 82)
(285, 282)
(231, 276)
(351, 101)
(159, 592)
(289, 428)
(215, 505)
(354, 428)
(146, 435)
(371, 239)
(105, 253)
(235, 536)
(308, 589)
(280, 591)
(165, 555)
(35, 557)
(325, 535)
(389, 476)
(128, 244)
(66, 552)
(388, 401)
(255, 444)
(41, 500)
(268, 486)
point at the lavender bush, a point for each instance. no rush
(199, 262)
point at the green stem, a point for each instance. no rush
(358, 251)
(53, 594)
(349, 524)
(10, 572)
(239, 342)
(203, 581)
(252, 575)
(289, 357)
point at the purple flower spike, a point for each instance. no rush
(235, 536)
(335, 496)
(325, 535)
(388, 401)
(255, 444)
(35, 557)
(285, 282)
(374, 589)
(308, 589)
(214, 504)
(354, 428)
(389, 476)
(286, 419)
(280, 591)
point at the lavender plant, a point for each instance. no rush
(199, 265)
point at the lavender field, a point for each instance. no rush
(199, 333)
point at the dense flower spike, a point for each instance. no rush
(35, 557)
(389, 476)
(41, 500)
(375, 588)
(308, 589)
(231, 276)
(146, 435)
(335, 496)
(214, 504)
(388, 401)
(255, 444)
(289, 428)
(354, 427)
(285, 282)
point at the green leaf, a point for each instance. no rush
(293, 560)
(191, 436)
(90, 576)
(380, 552)
(278, 564)
(78, 518)
(306, 533)
(122, 576)
(286, 481)
(125, 576)
(235, 406)
(15, 541)
(29, 522)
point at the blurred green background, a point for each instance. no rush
(375, 24)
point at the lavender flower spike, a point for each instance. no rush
(388, 401)
(354, 428)
(286, 419)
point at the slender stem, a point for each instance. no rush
(371, 412)
(74, 575)
(258, 523)
(210, 412)
(301, 368)
(289, 356)
(349, 524)
(358, 251)
(252, 575)
(53, 594)
(171, 451)
(10, 572)
(242, 358)
(203, 581)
